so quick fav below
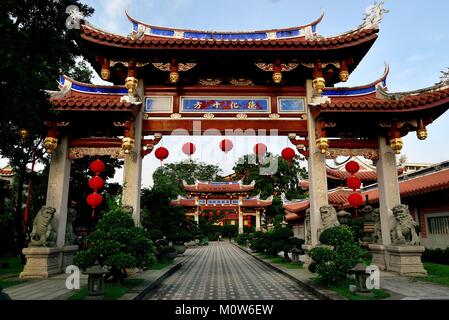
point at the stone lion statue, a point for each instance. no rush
(43, 234)
(404, 231)
(69, 234)
(329, 218)
(128, 209)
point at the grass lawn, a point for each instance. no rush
(161, 264)
(112, 291)
(342, 288)
(10, 276)
(15, 266)
(437, 273)
(280, 261)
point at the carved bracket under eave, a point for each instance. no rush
(148, 144)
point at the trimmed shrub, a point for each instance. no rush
(342, 253)
(155, 234)
(436, 255)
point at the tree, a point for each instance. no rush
(117, 244)
(284, 179)
(189, 171)
(35, 50)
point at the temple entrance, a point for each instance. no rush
(278, 82)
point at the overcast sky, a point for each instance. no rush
(413, 40)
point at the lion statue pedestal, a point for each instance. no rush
(405, 260)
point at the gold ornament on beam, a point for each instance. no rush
(396, 145)
(131, 84)
(319, 84)
(344, 76)
(127, 145)
(421, 133)
(173, 77)
(277, 77)
(322, 144)
(24, 133)
(50, 144)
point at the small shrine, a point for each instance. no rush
(230, 200)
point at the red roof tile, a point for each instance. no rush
(108, 39)
(436, 181)
(90, 102)
(256, 203)
(371, 103)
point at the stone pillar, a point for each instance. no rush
(132, 173)
(240, 221)
(257, 220)
(317, 173)
(389, 196)
(58, 189)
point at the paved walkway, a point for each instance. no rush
(221, 271)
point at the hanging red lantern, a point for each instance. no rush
(188, 148)
(211, 214)
(260, 149)
(94, 200)
(203, 214)
(96, 183)
(288, 154)
(355, 200)
(353, 183)
(97, 166)
(226, 145)
(352, 167)
(161, 153)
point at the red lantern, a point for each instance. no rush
(211, 214)
(353, 183)
(94, 200)
(355, 200)
(96, 183)
(97, 166)
(203, 214)
(226, 145)
(188, 148)
(161, 153)
(352, 167)
(288, 154)
(260, 149)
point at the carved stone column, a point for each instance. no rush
(389, 196)
(132, 173)
(58, 189)
(257, 220)
(240, 221)
(317, 173)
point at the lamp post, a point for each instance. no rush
(361, 276)
(295, 255)
(95, 282)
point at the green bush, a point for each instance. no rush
(337, 235)
(229, 231)
(117, 244)
(155, 234)
(242, 238)
(334, 262)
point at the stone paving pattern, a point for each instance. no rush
(221, 271)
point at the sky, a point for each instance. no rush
(413, 40)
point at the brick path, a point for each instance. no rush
(222, 271)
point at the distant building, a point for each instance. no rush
(425, 191)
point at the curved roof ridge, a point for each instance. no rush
(138, 22)
(359, 90)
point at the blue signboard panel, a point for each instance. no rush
(291, 104)
(225, 104)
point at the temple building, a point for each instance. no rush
(425, 191)
(282, 81)
(231, 200)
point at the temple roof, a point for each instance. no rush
(250, 202)
(6, 171)
(148, 31)
(375, 97)
(425, 181)
(98, 36)
(74, 95)
(219, 187)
